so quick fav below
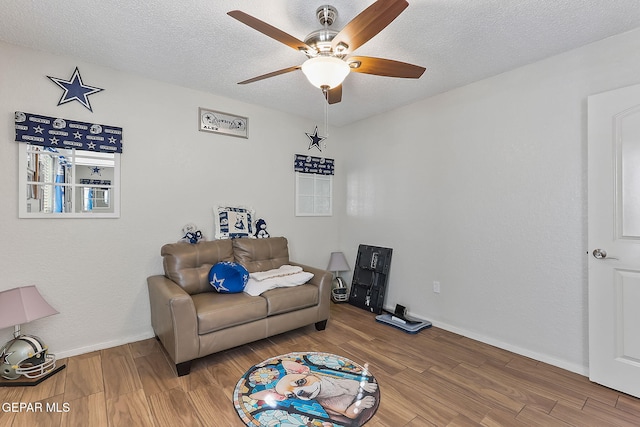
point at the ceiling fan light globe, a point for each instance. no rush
(323, 71)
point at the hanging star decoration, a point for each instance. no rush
(95, 170)
(75, 89)
(315, 139)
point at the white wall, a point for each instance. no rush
(483, 188)
(94, 270)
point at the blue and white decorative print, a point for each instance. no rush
(314, 165)
(75, 90)
(105, 182)
(234, 222)
(56, 132)
(315, 139)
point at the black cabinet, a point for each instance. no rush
(370, 276)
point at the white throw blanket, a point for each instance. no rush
(284, 270)
(277, 278)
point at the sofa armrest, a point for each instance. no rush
(173, 318)
(323, 279)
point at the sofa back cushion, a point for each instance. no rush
(261, 254)
(188, 264)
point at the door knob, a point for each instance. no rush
(601, 254)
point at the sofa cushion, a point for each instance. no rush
(261, 254)
(228, 277)
(283, 300)
(188, 264)
(220, 311)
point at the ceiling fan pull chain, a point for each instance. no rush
(326, 123)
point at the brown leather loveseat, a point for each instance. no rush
(192, 320)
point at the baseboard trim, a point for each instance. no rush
(541, 357)
(103, 345)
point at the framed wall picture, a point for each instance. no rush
(224, 123)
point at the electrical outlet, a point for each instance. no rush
(436, 287)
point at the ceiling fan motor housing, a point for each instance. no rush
(320, 41)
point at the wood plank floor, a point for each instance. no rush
(433, 378)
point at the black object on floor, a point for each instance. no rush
(370, 276)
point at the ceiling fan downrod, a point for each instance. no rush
(326, 15)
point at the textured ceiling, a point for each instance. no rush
(196, 44)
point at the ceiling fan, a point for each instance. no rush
(328, 51)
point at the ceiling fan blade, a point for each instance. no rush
(271, 74)
(270, 31)
(334, 95)
(384, 67)
(368, 23)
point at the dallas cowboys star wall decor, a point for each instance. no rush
(315, 139)
(75, 90)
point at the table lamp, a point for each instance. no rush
(24, 354)
(338, 263)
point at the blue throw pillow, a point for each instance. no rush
(228, 277)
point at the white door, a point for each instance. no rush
(614, 239)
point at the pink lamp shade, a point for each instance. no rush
(22, 305)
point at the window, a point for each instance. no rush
(314, 185)
(314, 194)
(61, 182)
(67, 168)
